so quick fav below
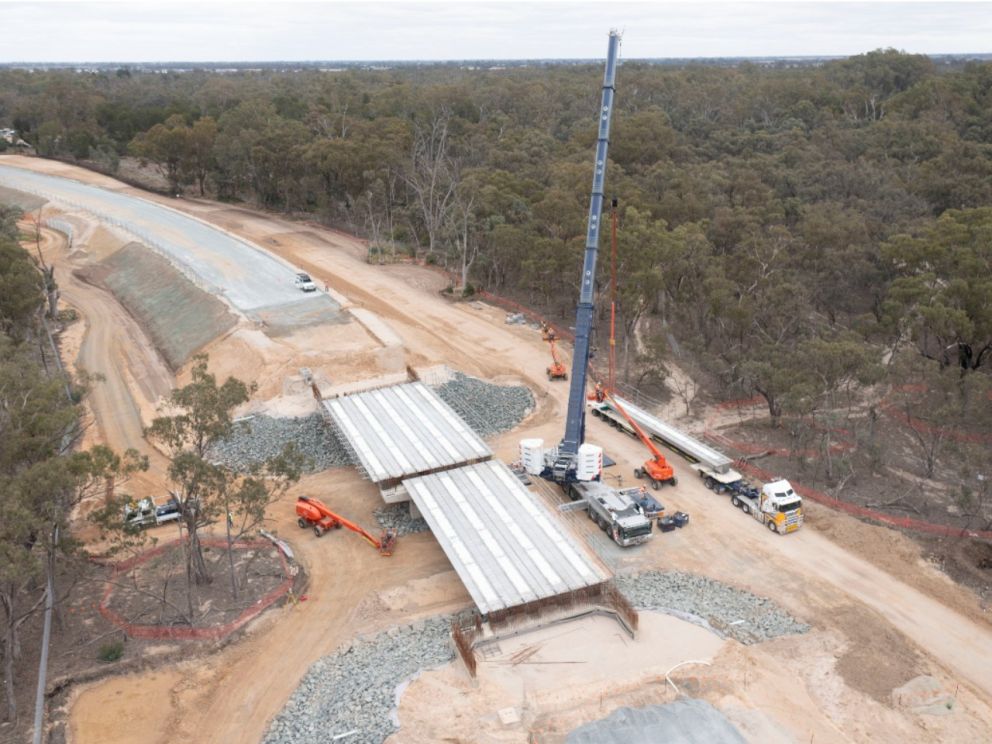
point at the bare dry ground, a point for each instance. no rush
(880, 612)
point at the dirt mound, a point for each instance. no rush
(179, 317)
(868, 666)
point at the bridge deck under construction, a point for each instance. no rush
(507, 547)
(403, 430)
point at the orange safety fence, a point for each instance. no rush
(908, 523)
(184, 632)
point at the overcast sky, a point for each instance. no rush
(212, 30)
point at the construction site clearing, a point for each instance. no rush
(543, 604)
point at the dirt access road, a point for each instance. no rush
(805, 572)
(130, 375)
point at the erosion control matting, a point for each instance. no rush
(178, 316)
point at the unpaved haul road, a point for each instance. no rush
(231, 696)
(801, 563)
(113, 349)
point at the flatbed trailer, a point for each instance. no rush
(662, 432)
(775, 505)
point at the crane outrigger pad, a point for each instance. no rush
(507, 547)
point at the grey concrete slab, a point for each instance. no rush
(507, 547)
(404, 430)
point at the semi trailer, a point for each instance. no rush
(774, 504)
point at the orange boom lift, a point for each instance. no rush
(314, 512)
(657, 470)
(557, 370)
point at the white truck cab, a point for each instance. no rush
(780, 506)
(776, 504)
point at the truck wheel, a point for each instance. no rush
(709, 483)
(638, 473)
(673, 481)
(302, 522)
(772, 526)
(603, 525)
(655, 484)
(592, 514)
(318, 530)
(565, 376)
(735, 501)
(746, 508)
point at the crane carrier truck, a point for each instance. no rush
(775, 505)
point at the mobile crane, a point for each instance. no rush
(617, 513)
(562, 470)
(314, 512)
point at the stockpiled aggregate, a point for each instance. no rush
(261, 437)
(736, 613)
(354, 688)
(489, 409)
(397, 517)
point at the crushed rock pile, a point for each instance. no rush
(259, 438)
(397, 517)
(736, 613)
(488, 408)
(354, 688)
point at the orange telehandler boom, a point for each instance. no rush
(557, 370)
(311, 511)
(657, 470)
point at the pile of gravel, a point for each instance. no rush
(259, 438)
(354, 688)
(397, 517)
(743, 616)
(489, 409)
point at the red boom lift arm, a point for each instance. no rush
(314, 512)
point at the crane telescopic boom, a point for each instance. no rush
(575, 423)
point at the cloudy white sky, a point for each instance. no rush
(218, 30)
